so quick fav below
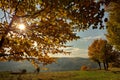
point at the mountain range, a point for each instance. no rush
(62, 64)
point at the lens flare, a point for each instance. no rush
(21, 26)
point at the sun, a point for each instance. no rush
(21, 26)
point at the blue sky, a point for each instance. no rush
(80, 47)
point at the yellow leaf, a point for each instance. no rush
(0, 4)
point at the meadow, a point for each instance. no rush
(64, 75)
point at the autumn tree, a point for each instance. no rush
(115, 59)
(109, 55)
(113, 30)
(93, 52)
(49, 24)
(101, 52)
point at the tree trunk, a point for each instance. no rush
(104, 65)
(107, 65)
(1, 41)
(99, 65)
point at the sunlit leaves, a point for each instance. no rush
(49, 25)
(96, 50)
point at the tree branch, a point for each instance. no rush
(32, 15)
(8, 29)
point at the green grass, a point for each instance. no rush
(64, 75)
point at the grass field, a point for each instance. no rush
(63, 75)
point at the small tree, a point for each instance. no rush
(93, 53)
(101, 51)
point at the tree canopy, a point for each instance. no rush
(49, 25)
(113, 30)
(101, 51)
(96, 50)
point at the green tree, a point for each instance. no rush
(49, 25)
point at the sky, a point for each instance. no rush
(80, 47)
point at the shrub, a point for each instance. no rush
(84, 68)
(23, 71)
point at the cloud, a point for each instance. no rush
(92, 37)
(75, 52)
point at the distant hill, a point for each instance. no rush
(16, 66)
(62, 64)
